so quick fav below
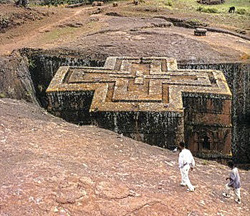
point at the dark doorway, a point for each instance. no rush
(206, 143)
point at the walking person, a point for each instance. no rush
(234, 183)
(186, 162)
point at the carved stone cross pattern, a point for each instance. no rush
(142, 84)
(148, 99)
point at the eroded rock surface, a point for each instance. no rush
(51, 167)
(139, 36)
(15, 78)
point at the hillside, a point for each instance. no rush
(49, 166)
(148, 29)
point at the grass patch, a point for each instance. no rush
(221, 8)
(2, 95)
(207, 9)
(67, 32)
(213, 15)
(168, 3)
(205, 163)
(160, 4)
(238, 4)
(242, 11)
(196, 23)
(32, 63)
(58, 33)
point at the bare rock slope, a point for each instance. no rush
(111, 32)
(51, 167)
(15, 78)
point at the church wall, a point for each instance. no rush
(238, 78)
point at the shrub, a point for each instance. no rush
(194, 23)
(168, 3)
(200, 8)
(205, 162)
(4, 22)
(241, 11)
(212, 10)
(32, 63)
(207, 10)
(2, 95)
(6, 1)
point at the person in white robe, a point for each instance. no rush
(186, 162)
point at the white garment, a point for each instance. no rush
(186, 161)
(184, 177)
(236, 191)
(186, 157)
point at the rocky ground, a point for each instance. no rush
(113, 31)
(137, 36)
(51, 167)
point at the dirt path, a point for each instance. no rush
(28, 34)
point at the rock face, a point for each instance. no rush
(46, 63)
(150, 100)
(238, 78)
(15, 80)
(200, 32)
(51, 167)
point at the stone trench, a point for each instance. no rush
(44, 64)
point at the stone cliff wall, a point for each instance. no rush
(44, 64)
(72, 106)
(238, 78)
(15, 79)
(157, 128)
